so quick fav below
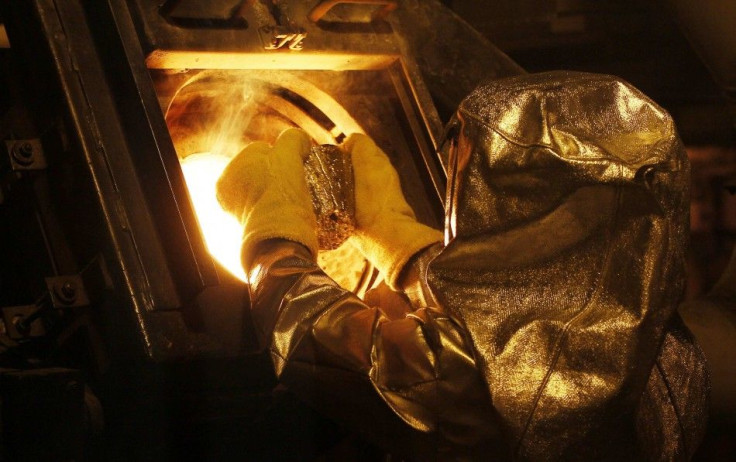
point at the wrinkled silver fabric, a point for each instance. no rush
(552, 332)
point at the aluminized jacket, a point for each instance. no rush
(545, 327)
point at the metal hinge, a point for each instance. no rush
(63, 292)
(28, 321)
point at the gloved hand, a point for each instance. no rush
(265, 188)
(387, 232)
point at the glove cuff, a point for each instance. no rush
(270, 224)
(390, 248)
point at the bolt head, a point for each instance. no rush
(23, 153)
(69, 289)
(26, 149)
(66, 292)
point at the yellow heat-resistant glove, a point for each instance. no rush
(265, 188)
(387, 232)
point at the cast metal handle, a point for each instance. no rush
(235, 21)
(326, 5)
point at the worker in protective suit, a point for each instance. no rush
(543, 322)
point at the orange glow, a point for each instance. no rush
(214, 115)
(222, 232)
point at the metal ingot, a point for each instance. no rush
(329, 173)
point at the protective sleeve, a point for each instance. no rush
(410, 384)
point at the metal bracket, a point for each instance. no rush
(24, 321)
(25, 154)
(67, 291)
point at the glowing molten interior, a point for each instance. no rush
(222, 232)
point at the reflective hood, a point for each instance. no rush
(566, 228)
